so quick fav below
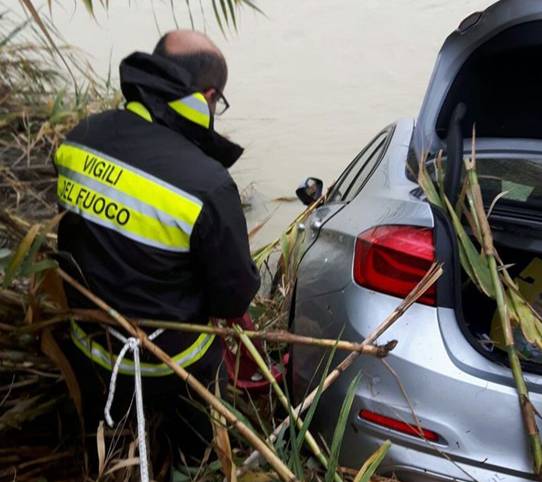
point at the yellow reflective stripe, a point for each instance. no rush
(194, 108)
(131, 181)
(98, 354)
(121, 217)
(139, 109)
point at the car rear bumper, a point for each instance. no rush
(477, 418)
(410, 465)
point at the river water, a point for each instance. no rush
(310, 82)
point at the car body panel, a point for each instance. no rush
(332, 242)
(467, 359)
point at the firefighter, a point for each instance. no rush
(154, 226)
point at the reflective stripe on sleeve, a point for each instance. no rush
(98, 354)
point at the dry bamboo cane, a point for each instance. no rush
(282, 470)
(430, 278)
(279, 336)
(527, 409)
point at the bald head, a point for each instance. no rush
(197, 54)
(183, 42)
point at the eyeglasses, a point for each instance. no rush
(222, 105)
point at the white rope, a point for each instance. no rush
(131, 344)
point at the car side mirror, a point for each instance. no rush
(310, 190)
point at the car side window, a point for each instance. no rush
(367, 168)
(351, 181)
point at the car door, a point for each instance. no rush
(316, 273)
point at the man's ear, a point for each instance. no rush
(210, 95)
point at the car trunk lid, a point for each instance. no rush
(491, 65)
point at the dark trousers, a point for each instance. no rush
(177, 420)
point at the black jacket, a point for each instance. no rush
(216, 277)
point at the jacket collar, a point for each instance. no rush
(164, 90)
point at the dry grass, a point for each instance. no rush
(38, 105)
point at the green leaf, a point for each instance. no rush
(43, 265)
(476, 228)
(178, 476)
(257, 310)
(187, 473)
(261, 255)
(224, 11)
(31, 256)
(58, 113)
(20, 254)
(371, 464)
(239, 415)
(294, 247)
(465, 263)
(252, 5)
(217, 17)
(280, 444)
(6, 39)
(231, 6)
(340, 429)
(296, 445)
(295, 463)
(428, 187)
(89, 6)
(319, 391)
(478, 264)
(525, 317)
(285, 250)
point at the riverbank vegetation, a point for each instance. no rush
(38, 105)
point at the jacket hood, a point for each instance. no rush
(155, 82)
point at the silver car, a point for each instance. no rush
(376, 236)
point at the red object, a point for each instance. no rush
(248, 374)
(393, 259)
(398, 426)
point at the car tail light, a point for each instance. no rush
(398, 426)
(393, 259)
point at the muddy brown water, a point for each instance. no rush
(310, 83)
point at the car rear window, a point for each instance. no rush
(516, 180)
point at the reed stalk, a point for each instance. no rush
(281, 469)
(430, 278)
(276, 336)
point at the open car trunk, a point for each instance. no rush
(487, 75)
